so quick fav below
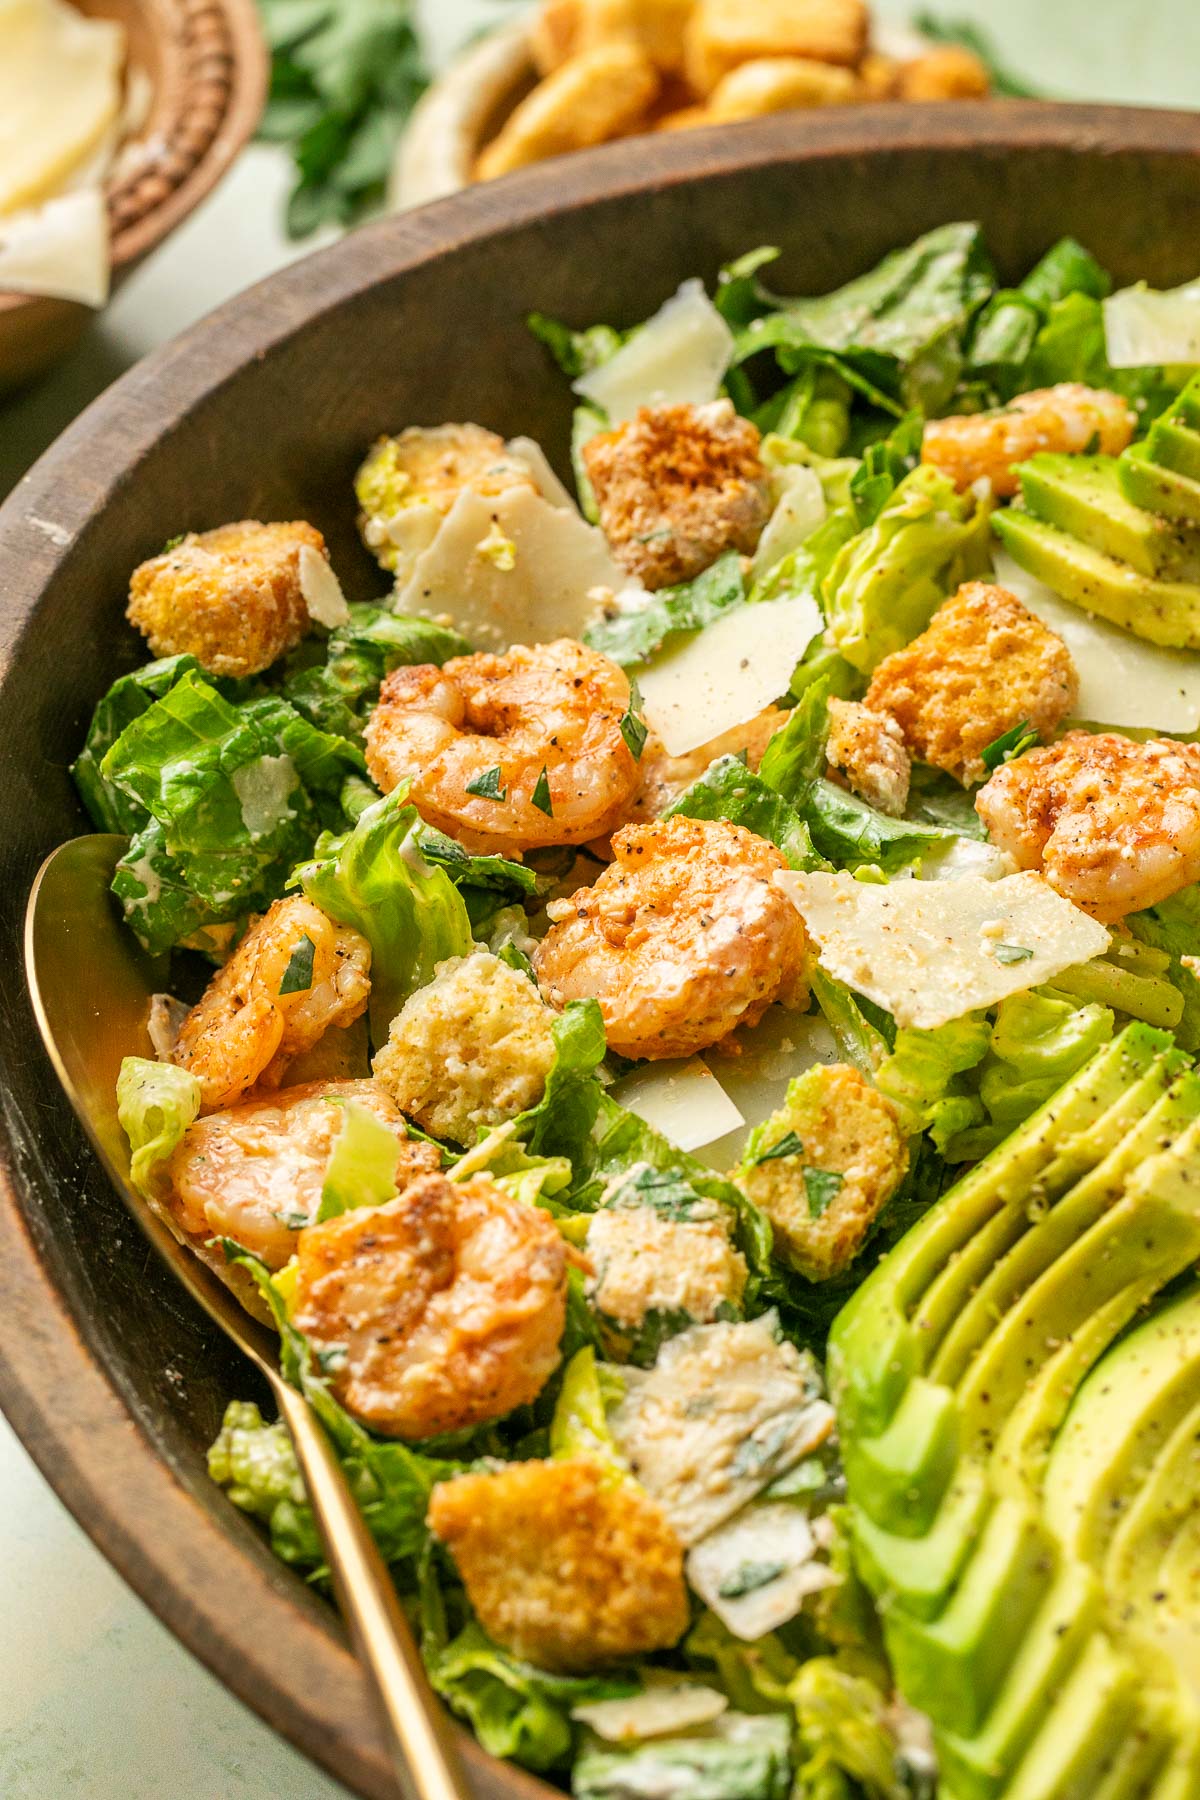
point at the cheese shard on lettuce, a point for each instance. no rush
(684, 1100)
(727, 673)
(513, 568)
(678, 356)
(929, 951)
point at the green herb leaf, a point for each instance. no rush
(297, 977)
(822, 1187)
(541, 794)
(788, 1145)
(1012, 953)
(488, 785)
(633, 727)
(748, 1577)
(293, 1221)
(1009, 745)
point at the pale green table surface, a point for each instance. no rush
(97, 1701)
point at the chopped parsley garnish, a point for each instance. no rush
(748, 1577)
(293, 1221)
(332, 1358)
(297, 977)
(488, 786)
(1009, 744)
(541, 794)
(788, 1145)
(822, 1187)
(1012, 953)
(633, 727)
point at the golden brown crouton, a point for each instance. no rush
(565, 28)
(868, 749)
(554, 33)
(232, 598)
(723, 33)
(822, 1198)
(645, 1263)
(593, 96)
(676, 486)
(566, 1566)
(983, 665)
(439, 1310)
(948, 73)
(778, 84)
(878, 76)
(407, 484)
(684, 118)
(1069, 418)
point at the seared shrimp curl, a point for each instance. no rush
(682, 939)
(508, 753)
(1112, 824)
(1067, 418)
(440, 1310)
(245, 1030)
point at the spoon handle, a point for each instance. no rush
(427, 1762)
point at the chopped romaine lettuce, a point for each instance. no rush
(844, 1731)
(634, 632)
(580, 1424)
(1174, 926)
(729, 790)
(156, 1102)
(922, 1074)
(337, 694)
(561, 1123)
(362, 1164)
(127, 699)
(575, 352)
(1007, 329)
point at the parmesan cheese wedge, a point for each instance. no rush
(799, 509)
(60, 91)
(666, 1706)
(725, 674)
(679, 355)
(1123, 680)
(321, 589)
(513, 568)
(59, 249)
(684, 1100)
(929, 951)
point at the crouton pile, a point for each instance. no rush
(610, 68)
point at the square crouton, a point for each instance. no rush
(723, 33)
(596, 95)
(676, 486)
(564, 28)
(983, 665)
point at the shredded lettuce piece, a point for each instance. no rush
(729, 790)
(580, 1424)
(921, 1074)
(562, 1121)
(376, 879)
(156, 1102)
(739, 1756)
(576, 352)
(362, 1164)
(1007, 329)
(844, 1732)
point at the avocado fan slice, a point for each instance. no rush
(994, 1601)
(1082, 496)
(1162, 612)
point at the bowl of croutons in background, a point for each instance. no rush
(117, 117)
(570, 74)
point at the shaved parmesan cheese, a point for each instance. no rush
(724, 1410)
(263, 788)
(321, 589)
(684, 1100)
(799, 509)
(546, 588)
(680, 355)
(755, 1081)
(930, 951)
(528, 451)
(724, 675)
(60, 91)
(1123, 680)
(59, 250)
(756, 1571)
(657, 1710)
(165, 1023)
(1143, 326)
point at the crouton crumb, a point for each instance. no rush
(867, 748)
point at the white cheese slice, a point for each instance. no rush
(799, 509)
(1144, 325)
(672, 1705)
(1123, 680)
(263, 788)
(725, 1409)
(929, 951)
(59, 250)
(756, 1571)
(542, 587)
(781, 1046)
(527, 450)
(321, 589)
(684, 1100)
(725, 674)
(60, 91)
(679, 355)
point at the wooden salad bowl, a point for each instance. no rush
(207, 68)
(112, 1378)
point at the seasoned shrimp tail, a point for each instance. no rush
(1069, 418)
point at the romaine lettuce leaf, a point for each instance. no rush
(576, 352)
(127, 699)
(580, 1424)
(561, 1123)
(1174, 926)
(488, 884)
(635, 632)
(156, 1102)
(729, 790)
(921, 1077)
(236, 795)
(376, 879)
(337, 694)
(362, 1164)
(1007, 329)
(844, 1731)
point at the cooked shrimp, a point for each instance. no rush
(255, 1172)
(1069, 418)
(511, 752)
(246, 1028)
(441, 1309)
(1112, 824)
(682, 939)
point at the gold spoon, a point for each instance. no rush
(91, 984)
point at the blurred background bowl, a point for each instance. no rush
(205, 68)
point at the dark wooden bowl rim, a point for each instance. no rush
(261, 1633)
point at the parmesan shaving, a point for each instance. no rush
(678, 356)
(321, 589)
(59, 250)
(684, 1100)
(60, 93)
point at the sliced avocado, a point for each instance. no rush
(1160, 490)
(1082, 496)
(1162, 612)
(907, 1468)
(1083, 1735)
(916, 1574)
(1174, 445)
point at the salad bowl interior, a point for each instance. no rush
(115, 1381)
